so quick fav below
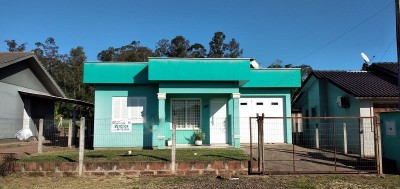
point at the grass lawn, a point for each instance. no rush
(114, 155)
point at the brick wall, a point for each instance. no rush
(135, 169)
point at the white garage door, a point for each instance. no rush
(273, 128)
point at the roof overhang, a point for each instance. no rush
(41, 72)
(380, 99)
(56, 98)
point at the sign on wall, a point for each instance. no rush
(121, 126)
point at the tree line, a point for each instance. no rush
(67, 69)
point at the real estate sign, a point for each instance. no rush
(121, 126)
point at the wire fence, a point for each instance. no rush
(319, 145)
(277, 145)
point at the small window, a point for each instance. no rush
(274, 103)
(131, 108)
(186, 113)
(260, 103)
(243, 103)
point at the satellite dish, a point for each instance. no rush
(365, 57)
(254, 64)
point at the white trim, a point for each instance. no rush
(236, 95)
(185, 129)
(162, 96)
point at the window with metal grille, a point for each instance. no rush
(129, 108)
(185, 113)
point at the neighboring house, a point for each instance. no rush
(27, 93)
(349, 93)
(216, 95)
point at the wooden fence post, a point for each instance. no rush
(81, 145)
(345, 138)
(260, 121)
(40, 137)
(70, 134)
(173, 151)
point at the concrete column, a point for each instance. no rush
(235, 120)
(161, 123)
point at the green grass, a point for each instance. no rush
(116, 155)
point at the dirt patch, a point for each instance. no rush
(287, 158)
(22, 148)
(305, 181)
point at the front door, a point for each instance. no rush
(218, 121)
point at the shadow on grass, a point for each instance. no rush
(144, 155)
(224, 157)
(96, 156)
(67, 158)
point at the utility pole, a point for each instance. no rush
(398, 45)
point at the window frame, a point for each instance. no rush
(200, 116)
(134, 120)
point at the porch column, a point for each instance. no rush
(235, 120)
(161, 123)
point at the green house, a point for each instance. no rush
(136, 104)
(344, 94)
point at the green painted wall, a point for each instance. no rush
(185, 136)
(181, 69)
(322, 96)
(141, 134)
(390, 138)
(178, 78)
(280, 78)
(198, 87)
(113, 72)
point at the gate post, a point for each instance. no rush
(260, 121)
(378, 146)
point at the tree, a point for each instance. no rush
(178, 47)
(233, 49)
(14, 47)
(47, 53)
(132, 52)
(162, 48)
(197, 50)
(305, 69)
(217, 45)
(106, 55)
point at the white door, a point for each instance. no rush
(273, 127)
(218, 121)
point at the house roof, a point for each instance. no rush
(360, 83)
(56, 98)
(9, 58)
(391, 68)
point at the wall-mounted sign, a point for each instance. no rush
(390, 128)
(121, 126)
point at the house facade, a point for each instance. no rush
(358, 94)
(26, 90)
(136, 104)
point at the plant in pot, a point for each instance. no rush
(199, 135)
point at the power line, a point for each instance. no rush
(344, 33)
(390, 45)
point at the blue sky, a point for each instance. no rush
(297, 32)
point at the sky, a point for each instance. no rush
(327, 35)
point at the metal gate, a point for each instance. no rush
(316, 145)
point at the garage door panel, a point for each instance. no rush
(273, 128)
